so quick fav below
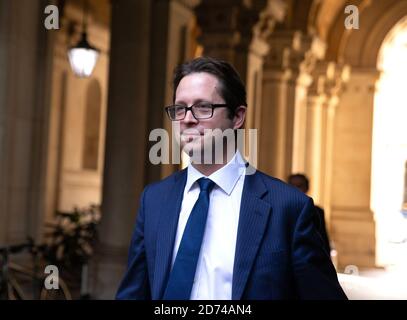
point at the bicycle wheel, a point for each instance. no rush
(14, 290)
(62, 293)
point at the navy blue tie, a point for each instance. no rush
(182, 275)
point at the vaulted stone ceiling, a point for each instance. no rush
(98, 9)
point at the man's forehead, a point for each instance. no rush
(198, 83)
(199, 78)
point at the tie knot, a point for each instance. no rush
(206, 184)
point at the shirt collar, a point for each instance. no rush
(225, 178)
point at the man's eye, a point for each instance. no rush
(179, 109)
(203, 106)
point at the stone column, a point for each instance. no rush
(335, 82)
(323, 97)
(172, 27)
(348, 191)
(277, 114)
(24, 108)
(328, 118)
(227, 29)
(258, 50)
(148, 39)
(283, 122)
(317, 99)
(238, 31)
(310, 50)
(126, 140)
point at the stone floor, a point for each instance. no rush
(388, 283)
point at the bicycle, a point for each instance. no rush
(70, 238)
(16, 279)
(69, 245)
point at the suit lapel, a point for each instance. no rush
(254, 214)
(166, 231)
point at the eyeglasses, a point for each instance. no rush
(200, 110)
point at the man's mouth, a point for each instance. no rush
(188, 137)
(191, 134)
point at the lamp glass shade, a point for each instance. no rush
(83, 58)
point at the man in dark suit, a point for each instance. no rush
(217, 230)
(301, 182)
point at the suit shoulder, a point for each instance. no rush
(287, 201)
(166, 183)
(282, 191)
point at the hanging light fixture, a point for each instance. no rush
(83, 56)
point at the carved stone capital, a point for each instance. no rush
(294, 50)
(320, 78)
(307, 51)
(282, 44)
(338, 76)
(225, 17)
(273, 12)
(235, 23)
(329, 79)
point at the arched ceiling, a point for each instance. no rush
(312, 16)
(323, 15)
(360, 47)
(98, 9)
(325, 18)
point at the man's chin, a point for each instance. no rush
(194, 151)
(191, 148)
(192, 139)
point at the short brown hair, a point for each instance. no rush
(232, 89)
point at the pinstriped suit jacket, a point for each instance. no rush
(279, 253)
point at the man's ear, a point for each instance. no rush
(239, 117)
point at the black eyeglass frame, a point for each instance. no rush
(186, 109)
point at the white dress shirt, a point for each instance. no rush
(214, 272)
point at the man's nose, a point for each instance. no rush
(189, 117)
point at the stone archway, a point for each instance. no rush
(390, 148)
(349, 191)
